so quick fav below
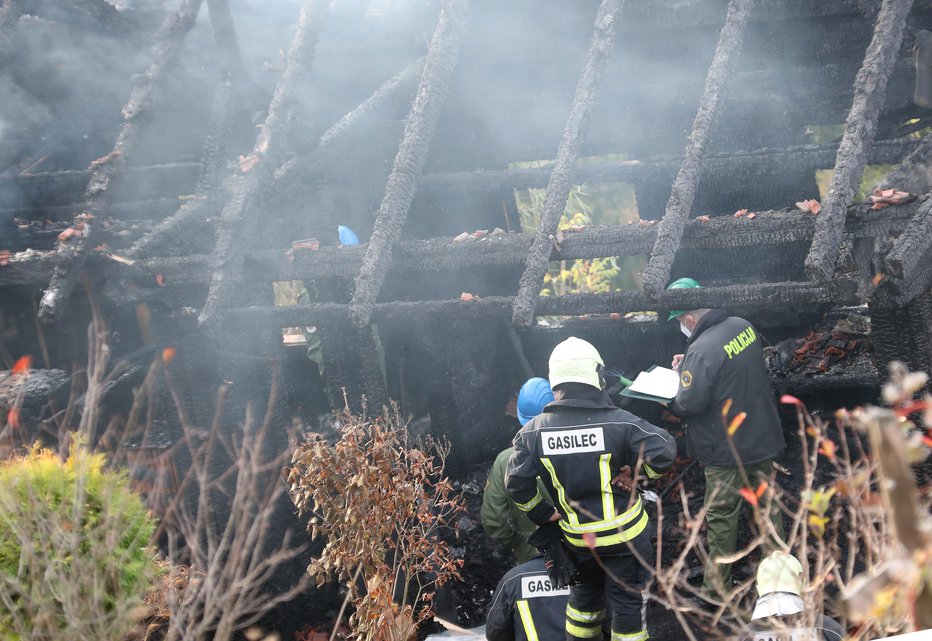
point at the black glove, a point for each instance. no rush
(557, 560)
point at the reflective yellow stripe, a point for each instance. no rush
(568, 512)
(651, 474)
(612, 539)
(605, 478)
(599, 526)
(584, 617)
(527, 507)
(632, 636)
(527, 620)
(583, 633)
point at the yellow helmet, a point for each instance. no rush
(780, 572)
(575, 361)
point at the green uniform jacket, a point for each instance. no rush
(501, 518)
(724, 362)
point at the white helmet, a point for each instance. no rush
(780, 572)
(575, 361)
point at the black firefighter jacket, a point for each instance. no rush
(577, 446)
(724, 360)
(526, 607)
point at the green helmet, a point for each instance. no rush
(681, 283)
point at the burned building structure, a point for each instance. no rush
(229, 166)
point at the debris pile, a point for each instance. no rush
(822, 350)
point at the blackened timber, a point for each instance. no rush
(769, 230)
(732, 297)
(893, 292)
(206, 203)
(562, 175)
(670, 233)
(860, 127)
(737, 164)
(912, 245)
(66, 187)
(247, 189)
(412, 152)
(108, 169)
(299, 169)
(914, 174)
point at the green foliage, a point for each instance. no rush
(74, 555)
(609, 203)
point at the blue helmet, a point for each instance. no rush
(347, 235)
(532, 398)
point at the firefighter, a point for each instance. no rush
(723, 374)
(526, 606)
(584, 449)
(780, 613)
(501, 518)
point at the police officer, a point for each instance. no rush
(780, 613)
(526, 606)
(501, 518)
(584, 448)
(723, 374)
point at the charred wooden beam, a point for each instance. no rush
(66, 187)
(206, 202)
(769, 230)
(860, 128)
(109, 168)
(670, 233)
(412, 152)
(297, 171)
(914, 174)
(247, 190)
(732, 297)
(912, 245)
(737, 164)
(893, 292)
(561, 177)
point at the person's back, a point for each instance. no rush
(585, 450)
(501, 518)
(526, 607)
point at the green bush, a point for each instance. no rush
(74, 555)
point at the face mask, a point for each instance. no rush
(685, 330)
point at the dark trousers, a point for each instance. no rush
(618, 584)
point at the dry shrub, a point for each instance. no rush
(379, 497)
(859, 525)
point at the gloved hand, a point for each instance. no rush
(557, 560)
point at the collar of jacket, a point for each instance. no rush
(713, 317)
(579, 395)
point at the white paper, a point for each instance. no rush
(660, 381)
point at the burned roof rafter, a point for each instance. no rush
(412, 153)
(860, 128)
(247, 188)
(561, 176)
(657, 272)
(109, 168)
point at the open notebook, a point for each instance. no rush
(658, 384)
